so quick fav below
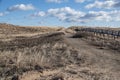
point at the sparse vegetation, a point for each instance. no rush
(99, 41)
(55, 55)
(35, 53)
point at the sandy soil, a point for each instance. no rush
(26, 54)
(100, 64)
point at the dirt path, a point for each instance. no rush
(100, 58)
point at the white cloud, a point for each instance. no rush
(70, 15)
(56, 1)
(39, 14)
(79, 1)
(108, 4)
(66, 14)
(1, 14)
(102, 16)
(115, 15)
(21, 7)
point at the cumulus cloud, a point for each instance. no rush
(108, 4)
(70, 15)
(56, 1)
(66, 14)
(115, 15)
(100, 16)
(21, 7)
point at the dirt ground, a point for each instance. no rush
(56, 55)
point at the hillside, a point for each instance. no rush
(15, 29)
(56, 54)
(9, 31)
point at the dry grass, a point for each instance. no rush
(35, 53)
(105, 43)
(14, 29)
(99, 41)
(69, 31)
(9, 31)
(47, 56)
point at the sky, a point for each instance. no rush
(66, 13)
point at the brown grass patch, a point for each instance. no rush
(37, 53)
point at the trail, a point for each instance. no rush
(99, 58)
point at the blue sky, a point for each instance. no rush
(61, 12)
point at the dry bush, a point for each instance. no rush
(82, 35)
(105, 43)
(115, 45)
(99, 41)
